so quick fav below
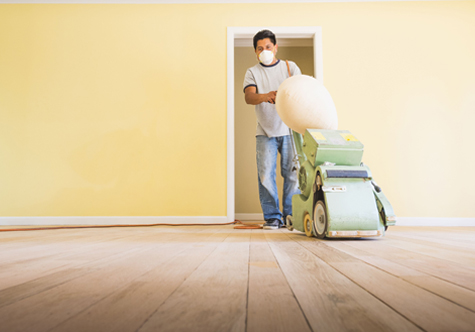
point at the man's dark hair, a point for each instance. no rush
(263, 34)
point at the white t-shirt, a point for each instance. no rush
(266, 79)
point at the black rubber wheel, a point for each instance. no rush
(383, 216)
(320, 223)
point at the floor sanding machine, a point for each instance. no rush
(339, 197)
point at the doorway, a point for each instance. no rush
(299, 44)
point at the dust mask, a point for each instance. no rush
(266, 57)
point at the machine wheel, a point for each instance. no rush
(320, 223)
(307, 224)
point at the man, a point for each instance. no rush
(272, 136)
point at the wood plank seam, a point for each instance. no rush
(248, 280)
(108, 259)
(420, 268)
(421, 286)
(107, 295)
(272, 305)
(366, 290)
(93, 314)
(66, 280)
(332, 301)
(142, 248)
(460, 316)
(293, 293)
(461, 259)
(176, 289)
(213, 298)
(427, 289)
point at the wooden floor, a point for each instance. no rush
(215, 278)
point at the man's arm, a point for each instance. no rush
(253, 98)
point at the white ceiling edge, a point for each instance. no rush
(191, 1)
(304, 32)
(282, 42)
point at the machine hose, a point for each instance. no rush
(250, 226)
(246, 226)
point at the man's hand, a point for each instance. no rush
(270, 97)
(253, 98)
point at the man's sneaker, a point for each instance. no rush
(272, 224)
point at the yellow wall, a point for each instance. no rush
(246, 183)
(121, 109)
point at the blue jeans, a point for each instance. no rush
(266, 154)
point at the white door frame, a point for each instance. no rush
(314, 33)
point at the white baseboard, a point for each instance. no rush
(401, 221)
(427, 221)
(28, 221)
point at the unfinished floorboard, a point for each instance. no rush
(139, 299)
(47, 238)
(456, 273)
(214, 296)
(459, 295)
(45, 279)
(432, 249)
(69, 298)
(59, 244)
(82, 251)
(331, 301)
(432, 243)
(18, 274)
(462, 237)
(268, 309)
(423, 308)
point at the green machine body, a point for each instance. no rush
(339, 197)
